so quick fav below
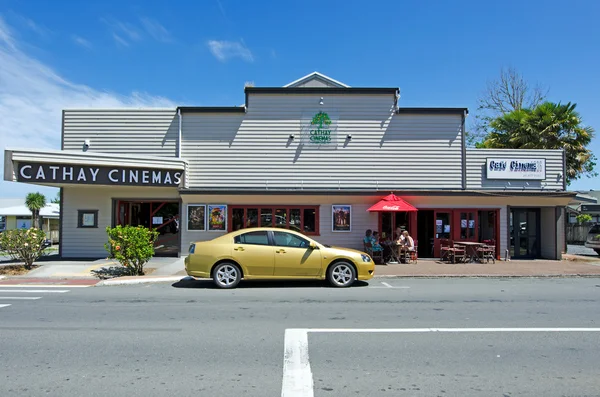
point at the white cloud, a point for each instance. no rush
(42, 31)
(224, 50)
(81, 41)
(122, 32)
(32, 97)
(156, 30)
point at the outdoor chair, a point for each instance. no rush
(488, 251)
(445, 250)
(413, 256)
(459, 254)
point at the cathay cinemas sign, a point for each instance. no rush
(91, 175)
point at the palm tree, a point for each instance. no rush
(548, 126)
(35, 202)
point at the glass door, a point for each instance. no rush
(442, 228)
(524, 226)
(466, 225)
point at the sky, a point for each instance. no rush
(138, 53)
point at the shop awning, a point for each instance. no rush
(392, 203)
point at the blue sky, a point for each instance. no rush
(55, 55)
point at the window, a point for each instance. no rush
(2, 222)
(255, 238)
(595, 229)
(87, 218)
(303, 219)
(283, 239)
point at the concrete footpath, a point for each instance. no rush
(172, 269)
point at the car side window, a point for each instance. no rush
(255, 238)
(283, 239)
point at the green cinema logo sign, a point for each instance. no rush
(319, 131)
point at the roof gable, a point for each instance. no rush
(316, 79)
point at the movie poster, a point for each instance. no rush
(341, 218)
(196, 217)
(217, 218)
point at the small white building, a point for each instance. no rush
(14, 214)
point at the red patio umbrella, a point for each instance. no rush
(392, 203)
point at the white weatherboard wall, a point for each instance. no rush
(89, 242)
(476, 169)
(387, 150)
(150, 132)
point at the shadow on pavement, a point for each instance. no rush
(208, 284)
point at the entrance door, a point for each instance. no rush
(443, 229)
(524, 232)
(162, 216)
(466, 225)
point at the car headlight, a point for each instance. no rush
(365, 258)
(192, 248)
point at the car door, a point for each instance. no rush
(255, 253)
(294, 257)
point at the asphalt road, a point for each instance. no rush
(190, 339)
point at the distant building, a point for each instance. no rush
(14, 214)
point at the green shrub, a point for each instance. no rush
(584, 218)
(24, 245)
(131, 246)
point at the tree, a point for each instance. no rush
(56, 200)
(548, 126)
(508, 93)
(35, 202)
(583, 218)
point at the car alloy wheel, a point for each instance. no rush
(227, 275)
(341, 274)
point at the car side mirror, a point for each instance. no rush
(313, 246)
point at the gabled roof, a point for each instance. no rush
(318, 77)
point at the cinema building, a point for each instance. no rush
(313, 155)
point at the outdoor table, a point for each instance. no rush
(393, 247)
(471, 248)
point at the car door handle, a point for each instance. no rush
(280, 251)
(238, 249)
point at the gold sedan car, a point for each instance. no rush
(273, 253)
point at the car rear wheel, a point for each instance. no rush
(341, 274)
(227, 275)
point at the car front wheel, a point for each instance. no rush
(341, 274)
(227, 275)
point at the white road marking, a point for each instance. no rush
(297, 376)
(5, 305)
(454, 330)
(20, 297)
(43, 286)
(36, 291)
(387, 285)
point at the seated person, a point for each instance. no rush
(375, 242)
(368, 239)
(409, 243)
